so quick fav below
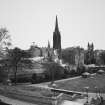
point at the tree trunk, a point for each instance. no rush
(15, 74)
(52, 73)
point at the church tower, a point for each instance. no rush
(48, 49)
(57, 39)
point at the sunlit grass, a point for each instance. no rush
(97, 80)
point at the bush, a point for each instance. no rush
(72, 73)
(3, 75)
(80, 70)
(53, 71)
(85, 75)
(100, 71)
(21, 80)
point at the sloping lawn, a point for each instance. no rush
(27, 93)
(97, 80)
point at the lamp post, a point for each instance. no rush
(96, 89)
(54, 95)
(54, 86)
(87, 94)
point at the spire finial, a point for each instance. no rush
(56, 24)
(48, 44)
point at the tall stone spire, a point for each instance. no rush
(56, 24)
(48, 44)
(57, 38)
(48, 49)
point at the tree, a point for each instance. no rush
(68, 56)
(5, 40)
(53, 71)
(15, 56)
(102, 57)
(90, 59)
(5, 43)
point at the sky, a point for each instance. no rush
(80, 22)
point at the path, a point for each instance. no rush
(45, 84)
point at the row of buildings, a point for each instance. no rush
(76, 56)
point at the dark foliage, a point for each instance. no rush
(67, 56)
(72, 73)
(15, 56)
(80, 70)
(102, 56)
(3, 75)
(90, 59)
(54, 70)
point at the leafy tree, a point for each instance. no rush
(102, 57)
(15, 56)
(90, 59)
(67, 56)
(5, 43)
(53, 71)
(26, 54)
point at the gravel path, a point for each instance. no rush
(45, 84)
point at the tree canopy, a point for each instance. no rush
(102, 56)
(5, 39)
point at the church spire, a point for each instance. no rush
(48, 44)
(57, 39)
(56, 24)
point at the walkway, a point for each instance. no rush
(45, 84)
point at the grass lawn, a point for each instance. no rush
(97, 80)
(27, 93)
(27, 90)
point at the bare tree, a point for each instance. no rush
(5, 40)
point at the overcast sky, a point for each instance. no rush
(80, 21)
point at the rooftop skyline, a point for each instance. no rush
(79, 21)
